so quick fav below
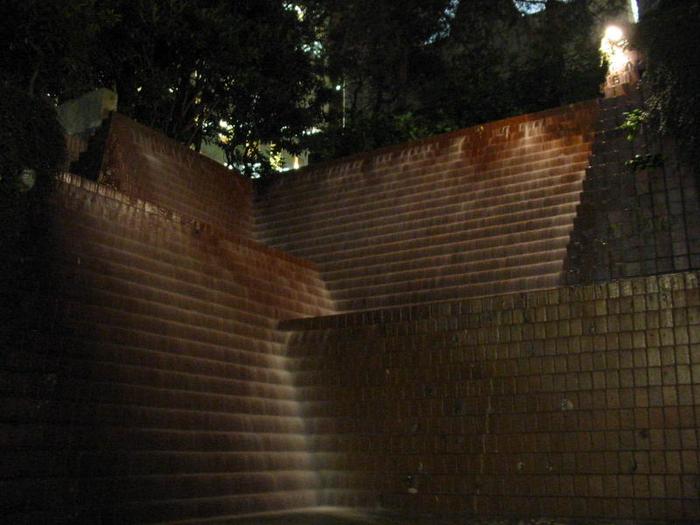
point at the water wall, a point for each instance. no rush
(440, 390)
(480, 211)
(162, 390)
(500, 321)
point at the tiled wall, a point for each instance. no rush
(572, 402)
(633, 221)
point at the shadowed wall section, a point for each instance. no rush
(480, 211)
(163, 393)
(633, 221)
(575, 402)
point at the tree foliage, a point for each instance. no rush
(51, 47)
(376, 54)
(333, 76)
(238, 74)
(466, 62)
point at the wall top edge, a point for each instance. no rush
(194, 226)
(487, 129)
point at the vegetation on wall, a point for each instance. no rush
(667, 37)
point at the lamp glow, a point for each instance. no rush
(614, 34)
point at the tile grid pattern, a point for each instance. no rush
(633, 222)
(577, 401)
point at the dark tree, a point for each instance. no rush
(667, 37)
(50, 48)
(377, 54)
(421, 68)
(238, 74)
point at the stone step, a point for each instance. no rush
(477, 257)
(201, 485)
(198, 509)
(358, 280)
(463, 143)
(371, 223)
(111, 292)
(208, 281)
(26, 433)
(117, 214)
(139, 406)
(255, 385)
(82, 313)
(112, 352)
(178, 498)
(168, 246)
(394, 286)
(258, 306)
(457, 212)
(254, 354)
(152, 389)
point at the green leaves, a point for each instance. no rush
(667, 36)
(634, 120)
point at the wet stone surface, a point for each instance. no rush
(341, 517)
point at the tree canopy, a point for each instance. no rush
(331, 76)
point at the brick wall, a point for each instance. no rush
(145, 164)
(160, 390)
(479, 211)
(161, 387)
(576, 402)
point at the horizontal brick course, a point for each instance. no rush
(143, 163)
(165, 393)
(434, 205)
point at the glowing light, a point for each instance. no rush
(613, 49)
(614, 34)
